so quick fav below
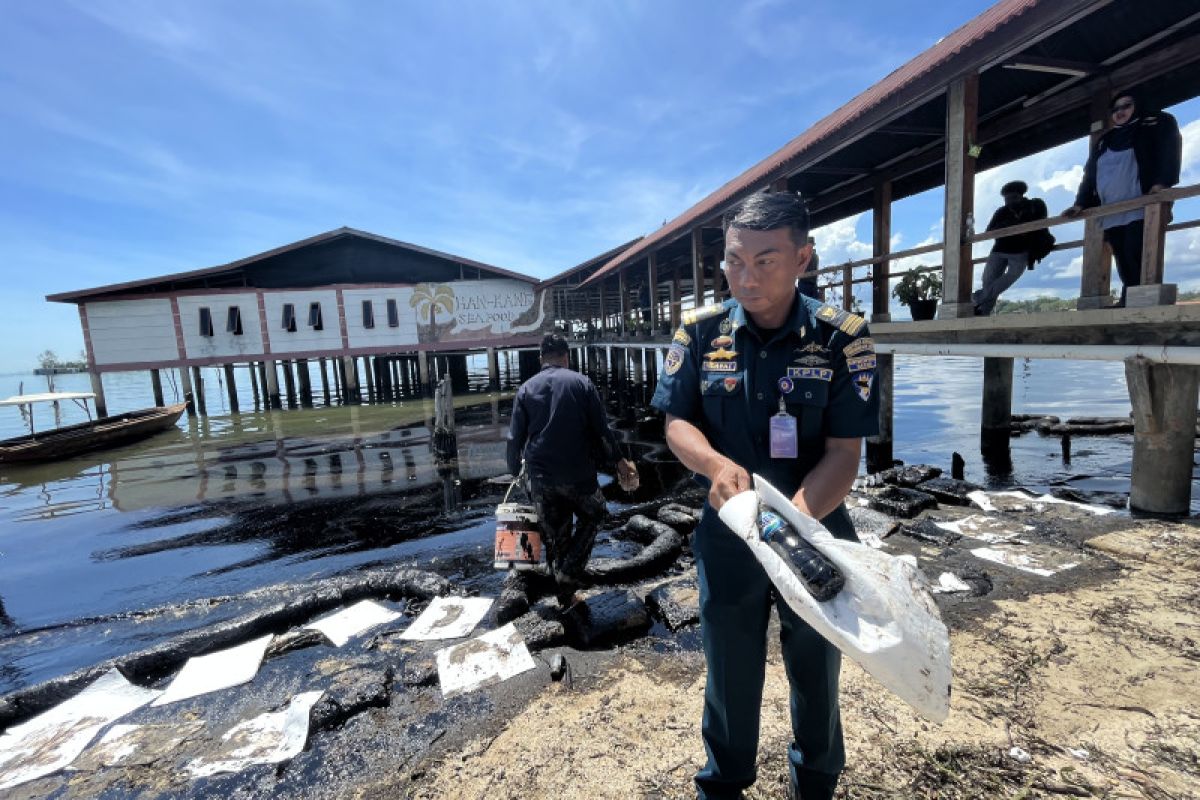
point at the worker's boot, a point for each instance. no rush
(804, 784)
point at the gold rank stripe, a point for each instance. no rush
(681, 337)
(864, 345)
(692, 316)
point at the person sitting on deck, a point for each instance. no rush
(1011, 255)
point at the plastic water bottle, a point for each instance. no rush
(970, 224)
(816, 572)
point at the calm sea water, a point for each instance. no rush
(229, 503)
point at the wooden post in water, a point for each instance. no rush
(368, 373)
(1164, 435)
(289, 383)
(423, 372)
(98, 390)
(493, 359)
(271, 382)
(254, 384)
(996, 421)
(156, 385)
(231, 388)
(324, 380)
(189, 395)
(879, 448)
(198, 382)
(881, 245)
(338, 380)
(962, 102)
(352, 393)
(639, 375)
(305, 380)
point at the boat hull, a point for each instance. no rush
(85, 437)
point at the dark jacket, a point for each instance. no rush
(559, 426)
(1158, 148)
(1027, 210)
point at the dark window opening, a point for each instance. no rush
(289, 317)
(206, 326)
(314, 317)
(393, 314)
(368, 314)
(233, 322)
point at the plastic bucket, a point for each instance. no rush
(518, 537)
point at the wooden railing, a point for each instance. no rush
(1096, 268)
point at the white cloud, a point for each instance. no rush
(1190, 171)
(1066, 179)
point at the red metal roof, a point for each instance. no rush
(776, 164)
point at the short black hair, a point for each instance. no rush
(764, 211)
(1131, 94)
(1014, 187)
(554, 344)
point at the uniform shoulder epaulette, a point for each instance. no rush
(843, 320)
(692, 316)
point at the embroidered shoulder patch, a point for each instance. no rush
(692, 316)
(674, 359)
(681, 337)
(859, 346)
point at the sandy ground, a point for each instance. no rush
(1099, 686)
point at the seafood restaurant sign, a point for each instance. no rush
(471, 310)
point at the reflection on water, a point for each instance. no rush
(226, 504)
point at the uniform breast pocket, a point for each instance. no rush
(717, 392)
(807, 404)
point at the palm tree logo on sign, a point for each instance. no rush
(428, 299)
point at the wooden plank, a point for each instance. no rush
(961, 115)
(652, 276)
(1153, 243)
(697, 267)
(881, 242)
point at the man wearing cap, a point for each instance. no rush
(1010, 255)
(774, 383)
(560, 430)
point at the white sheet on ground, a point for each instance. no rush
(342, 626)
(884, 618)
(219, 670)
(1020, 559)
(448, 618)
(53, 739)
(493, 657)
(135, 745)
(948, 583)
(1031, 502)
(266, 739)
(985, 528)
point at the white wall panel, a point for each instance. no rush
(381, 335)
(304, 339)
(131, 331)
(221, 343)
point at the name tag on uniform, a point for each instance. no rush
(783, 435)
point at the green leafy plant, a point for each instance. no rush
(916, 286)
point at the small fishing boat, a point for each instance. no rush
(95, 434)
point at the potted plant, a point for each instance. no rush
(920, 291)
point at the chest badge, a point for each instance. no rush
(786, 386)
(722, 342)
(726, 325)
(731, 384)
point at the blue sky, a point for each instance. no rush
(145, 137)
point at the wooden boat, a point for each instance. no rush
(96, 434)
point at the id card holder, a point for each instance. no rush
(783, 434)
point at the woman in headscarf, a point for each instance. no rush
(1140, 154)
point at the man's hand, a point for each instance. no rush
(1073, 211)
(1156, 188)
(627, 475)
(728, 480)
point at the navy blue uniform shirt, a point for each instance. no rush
(727, 377)
(559, 425)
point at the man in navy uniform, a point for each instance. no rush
(774, 383)
(560, 430)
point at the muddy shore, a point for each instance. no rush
(1089, 672)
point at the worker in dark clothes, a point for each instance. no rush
(774, 383)
(1011, 255)
(1139, 155)
(808, 281)
(560, 430)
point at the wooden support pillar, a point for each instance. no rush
(698, 267)
(423, 372)
(651, 355)
(289, 383)
(881, 245)
(369, 374)
(198, 383)
(1095, 277)
(231, 388)
(351, 366)
(676, 300)
(156, 385)
(639, 367)
(995, 422)
(403, 373)
(603, 321)
(493, 359)
(253, 370)
(879, 448)
(305, 381)
(271, 381)
(1164, 435)
(623, 327)
(847, 288)
(324, 380)
(652, 278)
(98, 390)
(185, 385)
(962, 101)
(1152, 291)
